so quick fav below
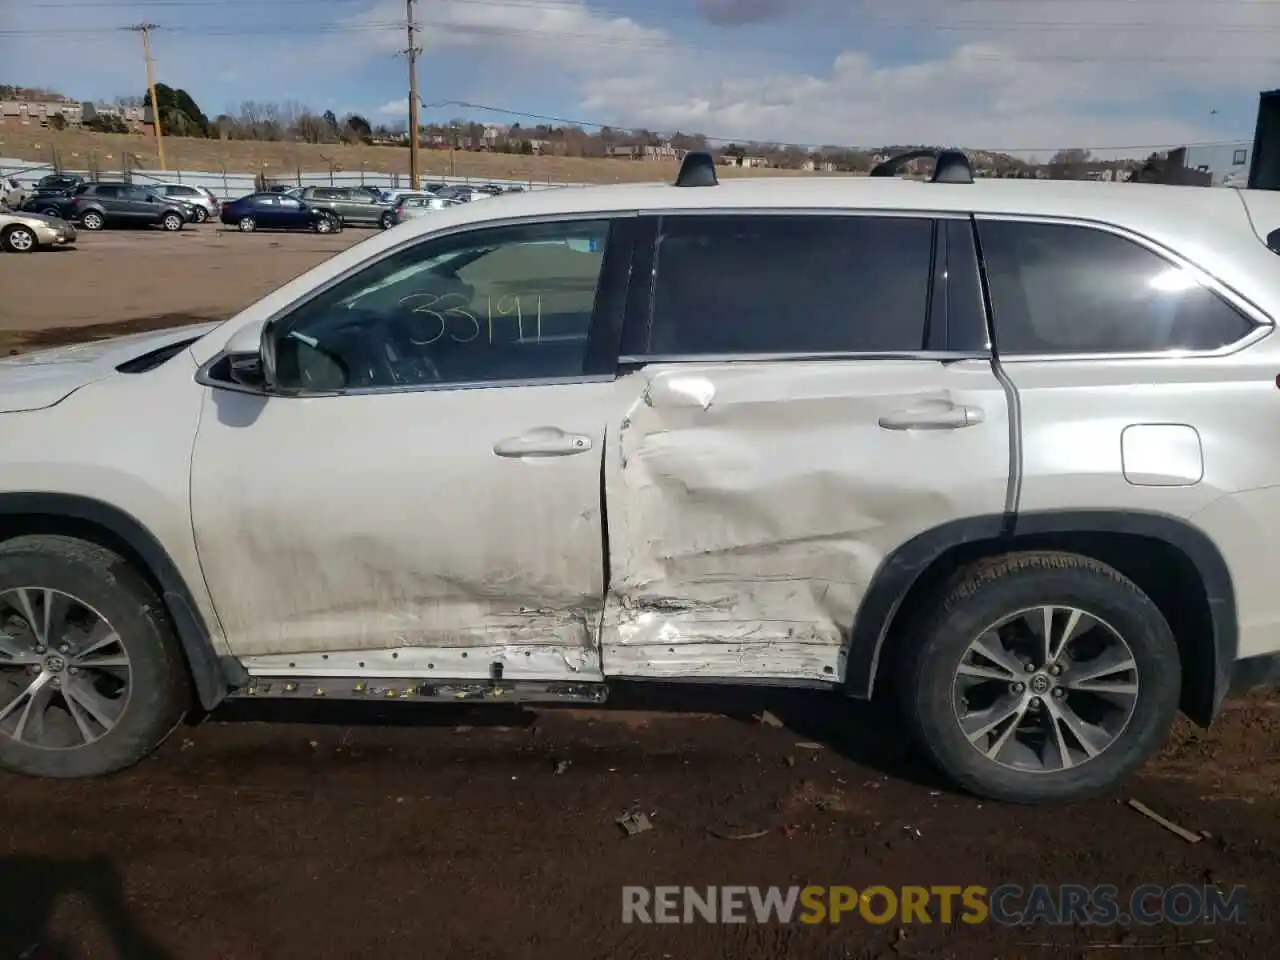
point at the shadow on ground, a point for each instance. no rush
(869, 734)
(31, 889)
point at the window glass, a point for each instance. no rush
(506, 303)
(1059, 288)
(790, 284)
(267, 200)
(106, 190)
(180, 191)
(288, 203)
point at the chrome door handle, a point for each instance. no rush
(936, 416)
(543, 442)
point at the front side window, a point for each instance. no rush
(1062, 289)
(495, 304)
(743, 284)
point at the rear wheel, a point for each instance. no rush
(18, 239)
(327, 224)
(91, 674)
(247, 224)
(1041, 677)
(93, 220)
(201, 215)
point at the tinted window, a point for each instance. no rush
(1073, 289)
(328, 193)
(508, 303)
(784, 284)
(106, 190)
(180, 191)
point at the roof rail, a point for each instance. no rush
(950, 166)
(698, 169)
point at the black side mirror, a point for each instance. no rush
(247, 370)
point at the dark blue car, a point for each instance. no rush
(278, 211)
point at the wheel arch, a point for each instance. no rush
(1173, 562)
(113, 528)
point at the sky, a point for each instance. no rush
(1026, 76)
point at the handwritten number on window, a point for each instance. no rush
(432, 315)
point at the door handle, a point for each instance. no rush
(543, 442)
(936, 416)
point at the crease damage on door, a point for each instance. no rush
(747, 520)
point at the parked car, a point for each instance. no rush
(393, 195)
(24, 232)
(349, 204)
(413, 205)
(375, 192)
(461, 193)
(12, 193)
(276, 211)
(59, 183)
(204, 202)
(105, 204)
(849, 434)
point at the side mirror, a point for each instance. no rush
(251, 357)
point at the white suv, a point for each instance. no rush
(1006, 449)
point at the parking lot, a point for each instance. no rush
(294, 831)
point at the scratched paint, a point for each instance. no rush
(751, 504)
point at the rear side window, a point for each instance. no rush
(1062, 289)
(790, 284)
(106, 190)
(180, 191)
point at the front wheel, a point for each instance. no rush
(327, 224)
(1041, 677)
(92, 678)
(51, 212)
(388, 220)
(18, 239)
(247, 225)
(172, 222)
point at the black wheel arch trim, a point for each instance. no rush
(903, 568)
(212, 675)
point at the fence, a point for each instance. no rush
(228, 186)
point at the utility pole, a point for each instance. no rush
(412, 52)
(145, 29)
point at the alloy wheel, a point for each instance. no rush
(22, 240)
(1045, 689)
(65, 676)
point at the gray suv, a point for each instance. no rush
(351, 204)
(207, 205)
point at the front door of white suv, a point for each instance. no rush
(797, 402)
(420, 493)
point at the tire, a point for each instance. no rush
(51, 212)
(1124, 730)
(142, 714)
(201, 215)
(326, 224)
(172, 222)
(387, 221)
(18, 239)
(247, 224)
(93, 220)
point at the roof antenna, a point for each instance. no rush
(698, 169)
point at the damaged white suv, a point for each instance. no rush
(1005, 448)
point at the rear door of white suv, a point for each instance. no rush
(801, 395)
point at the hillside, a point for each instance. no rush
(106, 153)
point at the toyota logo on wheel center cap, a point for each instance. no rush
(1041, 684)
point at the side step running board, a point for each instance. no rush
(434, 691)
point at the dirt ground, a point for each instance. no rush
(354, 831)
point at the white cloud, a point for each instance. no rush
(394, 108)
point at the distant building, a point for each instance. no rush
(819, 166)
(1227, 164)
(639, 151)
(38, 113)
